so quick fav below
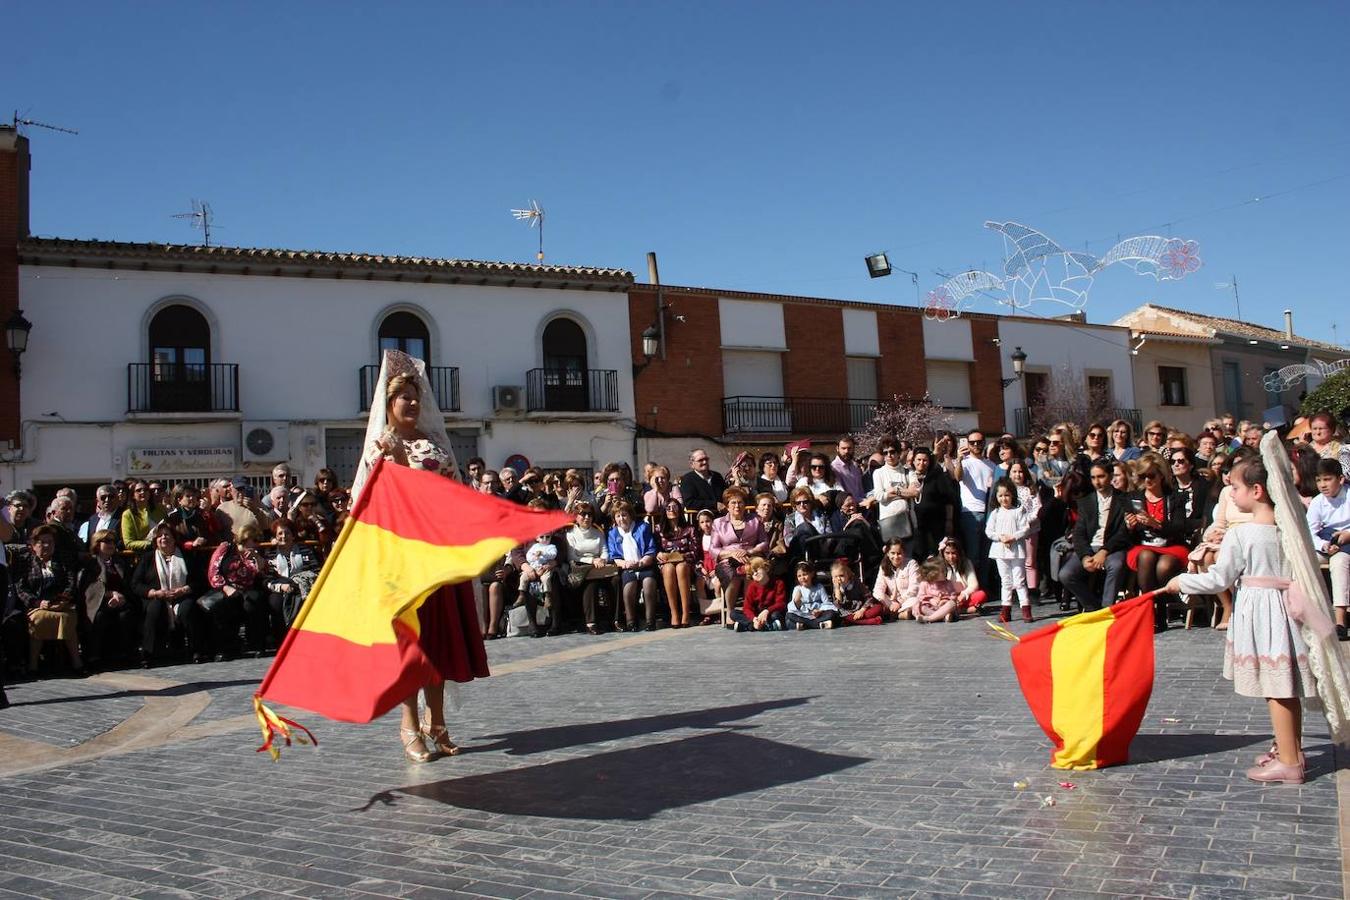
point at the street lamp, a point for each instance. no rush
(651, 345)
(1019, 361)
(16, 336)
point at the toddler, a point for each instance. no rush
(765, 600)
(938, 596)
(854, 602)
(810, 606)
(1007, 528)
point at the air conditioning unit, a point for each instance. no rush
(508, 398)
(265, 441)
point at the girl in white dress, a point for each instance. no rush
(1265, 654)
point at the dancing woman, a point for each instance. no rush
(407, 429)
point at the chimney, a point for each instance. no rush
(14, 165)
(1288, 324)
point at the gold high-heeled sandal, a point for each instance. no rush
(413, 748)
(438, 737)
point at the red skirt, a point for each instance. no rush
(451, 638)
(1174, 550)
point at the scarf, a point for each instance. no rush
(172, 571)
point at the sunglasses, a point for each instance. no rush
(1151, 476)
(1039, 448)
(1056, 443)
(890, 451)
(1157, 434)
(817, 466)
(802, 503)
(1180, 461)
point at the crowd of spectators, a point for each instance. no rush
(809, 538)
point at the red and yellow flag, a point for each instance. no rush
(353, 650)
(1088, 679)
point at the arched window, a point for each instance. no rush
(565, 380)
(405, 331)
(180, 359)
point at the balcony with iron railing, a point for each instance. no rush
(572, 390)
(192, 388)
(794, 415)
(444, 383)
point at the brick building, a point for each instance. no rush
(743, 370)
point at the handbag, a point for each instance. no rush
(578, 573)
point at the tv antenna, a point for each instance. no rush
(201, 218)
(1225, 285)
(33, 123)
(535, 216)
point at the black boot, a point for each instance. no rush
(1159, 615)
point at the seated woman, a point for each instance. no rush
(809, 518)
(1226, 515)
(43, 588)
(960, 568)
(139, 517)
(676, 557)
(235, 576)
(340, 501)
(114, 612)
(291, 571)
(501, 583)
(539, 579)
(585, 550)
(775, 536)
(1159, 526)
(851, 521)
(742, 473)
(169, 588)
(662, 492)
(633, 549)
(770, 480)
(735, 538)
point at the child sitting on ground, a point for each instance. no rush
(897, 581)
(810, 606)
(938, 595)
(765, 600)
(854, 601)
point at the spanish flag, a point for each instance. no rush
(1087, 680)
(356, 648)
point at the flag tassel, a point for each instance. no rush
(1000, 631)
(274, 726)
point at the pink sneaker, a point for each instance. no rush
(1276, 772)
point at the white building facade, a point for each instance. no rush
(176, 362)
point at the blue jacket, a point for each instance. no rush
(642, 534)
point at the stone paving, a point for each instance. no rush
(869, 762)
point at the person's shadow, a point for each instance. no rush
(177, 690)
(633, 784)
(538, 740)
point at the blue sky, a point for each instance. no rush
(754, 146)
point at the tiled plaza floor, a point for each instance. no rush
(871, 762)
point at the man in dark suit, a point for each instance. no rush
(701, 488)
(1100, 542)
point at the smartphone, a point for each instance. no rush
(612, 487)
(964, 442)
(1137, 504)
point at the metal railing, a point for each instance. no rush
(1026, 420)
(794, 415)
(182, 387)
(572, 390)
(444, 382)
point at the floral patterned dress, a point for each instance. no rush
(451, 638)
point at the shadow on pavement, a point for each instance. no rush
(1158, 747)
(634, 784)
(521, 743)
(177, 690)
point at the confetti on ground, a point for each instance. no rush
(1068, 785)
(1021, 784)
(1047, 801)
(1170, 721)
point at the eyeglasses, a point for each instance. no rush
(1157, 434)
(890, 451)
(1096, 434)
